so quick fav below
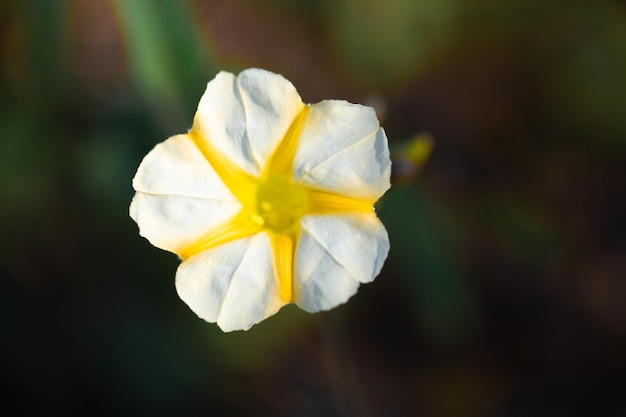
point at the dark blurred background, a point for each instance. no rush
(503, 294)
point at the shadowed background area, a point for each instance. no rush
(503, 294)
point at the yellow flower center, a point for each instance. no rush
(279, 204)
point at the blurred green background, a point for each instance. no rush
(503, 294)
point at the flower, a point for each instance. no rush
(267, 200)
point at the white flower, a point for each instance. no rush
(267, 200)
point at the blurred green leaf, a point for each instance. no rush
(167, 59)
(45, 50)
(421, 238)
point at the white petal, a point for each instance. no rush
(245, 117)
(335, 253)
(232, 284)
(343, 149)
(177, 167)
(179, 195)
(171, 222)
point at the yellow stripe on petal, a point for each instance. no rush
(242, 225)
(241, 184)
(324, 202)
(283, 246)
(281, 162)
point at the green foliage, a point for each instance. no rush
(507, 236)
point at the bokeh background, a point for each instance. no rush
(503, 294)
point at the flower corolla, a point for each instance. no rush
(267, 200)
